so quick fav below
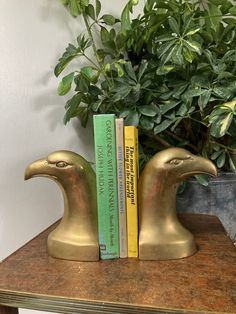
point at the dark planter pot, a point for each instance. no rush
(218, 198)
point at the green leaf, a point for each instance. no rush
(232, 163)
(215, 16)
(179, 89)
(173, 25)
(75, 9)
(183, 109)
(125, 18)
(217, 112)
(229, 56)
(97, 104)
(121, 92)
(142, 69)
(90, 11)
(98, 7)
(206, 36)
(193, 92)
(130, 71)
(82, 83)
(203, 179)
(193, 30)
(101, 54)
(119, 69)
(125, 113)
(161, 50)
(148, 110)
(222, 92)
(162, 126)
(105, 35)
(230, 104)
(132, 118)
(188, 56)
(109, 19)
(191, 110)
(232, 10)
(76, 6)
(218, 2)
(90, 73)
(146, 123)
(72, 106)
(193, 45)
(83, 43)
(163, 38)
(83, 115)
(70, 53)
(204, 98)
(94, 91)
(174, 126)
(224, 75)
(65, 84)
(168, 106)
(84, 3)
(157, 118)
(177, 57)
(216, 154)
(166, 57)
(162, 70)
(230, 21)
(120, 40)
(221, 160)
(221, 125)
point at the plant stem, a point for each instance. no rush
(181, 139)
(157, 138)
(91, 61)
(95, 48)
(188, 117)
(223, 146)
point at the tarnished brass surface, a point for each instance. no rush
(161, 235)
(76, 237)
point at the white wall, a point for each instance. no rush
(33, 34)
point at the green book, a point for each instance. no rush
(106, 179)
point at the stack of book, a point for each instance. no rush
(116, 156)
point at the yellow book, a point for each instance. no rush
(131, 176)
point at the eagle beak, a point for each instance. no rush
(36, 169)
(200, 165)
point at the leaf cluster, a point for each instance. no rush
(171, 71)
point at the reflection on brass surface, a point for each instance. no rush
(76, 237)
(161, 236)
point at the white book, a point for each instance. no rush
(121, 187)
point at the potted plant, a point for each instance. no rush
(171, 71)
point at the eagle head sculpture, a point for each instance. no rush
(161, 235)
(76, 236)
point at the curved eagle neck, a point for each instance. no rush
(161, 200)
(77, 206)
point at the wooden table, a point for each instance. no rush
(203, 283)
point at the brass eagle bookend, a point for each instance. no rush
(161, 235)
(76, 236)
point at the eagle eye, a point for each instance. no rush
(61, 164)
(176, 162)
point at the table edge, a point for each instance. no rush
(80, 306)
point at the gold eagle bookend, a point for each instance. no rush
(76, 236)
(161, 235)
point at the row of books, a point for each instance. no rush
(116, 156)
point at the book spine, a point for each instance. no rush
(121, 187)
(106, 181)
(131, 175)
